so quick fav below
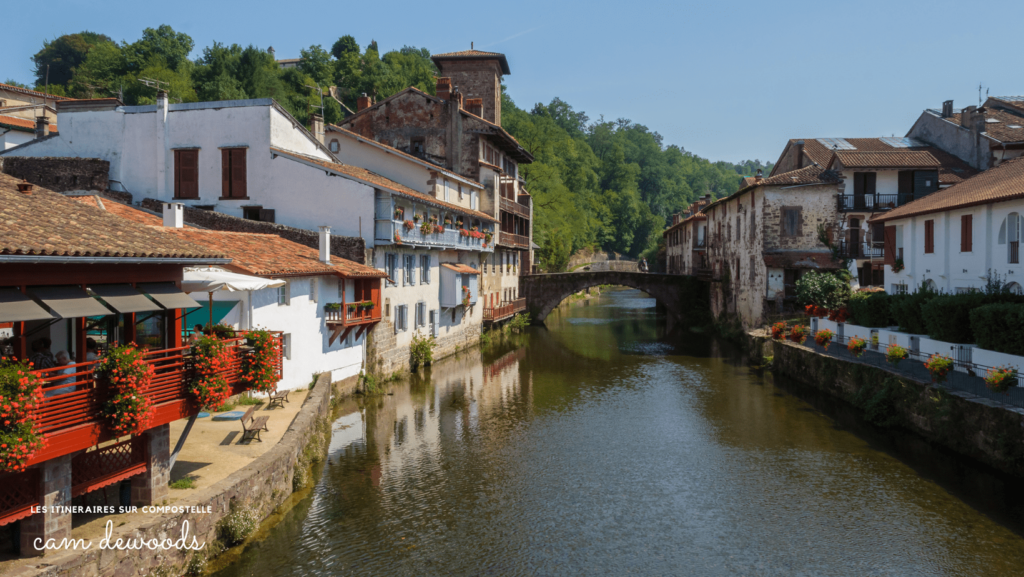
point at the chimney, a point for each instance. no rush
(174, 215)
(706, 197)
(271, 51)
(444, 88)
(947, 109)
(25, 187)
(475, 106)
(316, 126)
(759, 175)
(675, 219)
(457, 97)
(325, 244)
(42, 127)
(363, 102)
(799, 153)
(965, 116)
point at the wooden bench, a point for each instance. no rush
(255, 424)
(278, 397)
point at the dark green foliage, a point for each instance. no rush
(999, 327)
(881, 401)
(63, 54)
(947, 317)
(823, 289)
(871, 309)
(906, 310)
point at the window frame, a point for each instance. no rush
(424, 269)
(284, 297)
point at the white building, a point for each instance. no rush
(954, 239)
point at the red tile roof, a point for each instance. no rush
(1004, 182)
(22, 123)
(32, 92)
(951, 168)
(886, 159)
(124, 211)
(376, 180)
(459, 267)
(1000, 129)
(47, 223)
(271, 255)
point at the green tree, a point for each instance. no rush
(62, 55)
(343, 46)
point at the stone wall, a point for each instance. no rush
(984, 430)
(347, 247)
(384, 357)
(59, 174)
(264, 484)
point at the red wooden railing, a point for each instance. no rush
(71, 418)
(353, 315)
(504, 311)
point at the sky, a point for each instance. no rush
(724, 80)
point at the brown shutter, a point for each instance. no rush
(188, 173)
(225, 173)
(870, 178)
(858, 183)
(177, 174)
(238, 180)
(966, 232)
(889, 249)
(929, 236)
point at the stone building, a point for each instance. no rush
(459, 130)
(686, 239)
(982, 137)
(763, 237)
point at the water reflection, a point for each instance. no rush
(602, 446)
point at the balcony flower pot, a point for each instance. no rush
(438, 229)
(856, 346)
(209, 387)
(409, 225)
(426, 228)
(488, 236)
(475, 228)
(458, 223)
(258, 368)
(126, 374)
(894, 354)
(1000, 379)
(21, 392)
(398, 238)
(465, 297)
(366, 305)
(939, 366)
(463, 232)
(399, 213)
(332, 307)
(416, 218)
(447, 221)
(897, 265)
(352, 307)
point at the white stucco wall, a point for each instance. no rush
(13, 138)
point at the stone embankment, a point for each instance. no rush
(260, 487)
(980, 428)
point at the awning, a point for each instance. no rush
(212, 279)
(70, 302)
(169, 295)
(15, 306)
(124, 299)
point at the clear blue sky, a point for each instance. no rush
(725, 80)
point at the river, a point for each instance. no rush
(602, 446)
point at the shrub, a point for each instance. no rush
(822, 289)
(871, 309)
(422, 350)
(999, 327)
(906, 310)
(948, 317)
(798, 333)
(239, 524)
(939, 366)
(519, 322)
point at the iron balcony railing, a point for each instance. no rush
(396, 232)
(872, 202)
(871, 250)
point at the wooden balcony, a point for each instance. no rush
(72, 420)
(352, 316)
(504, 311)
(514, 207)
(513, 240)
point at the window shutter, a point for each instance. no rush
(869, 182)
(225, 172)
(177, 174)
(239, 187)
(966, 232)
(889, 248)
(929, 236)
(188, 173)
(858, 183)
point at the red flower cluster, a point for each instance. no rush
(823, 338)
(212, 359)
(438, 229)
(126, 374)
(798, 333)
(463, 232)
(779, 330)
(476, 234)
(837, 315)
(21, 392)
(409, 225)
(258, 368)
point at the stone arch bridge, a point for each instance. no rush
(677, 293)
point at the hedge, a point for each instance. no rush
(948, 317)
(906, 310)
(999, 327)
(871, 309)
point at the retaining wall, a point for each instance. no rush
(980, 428)
(264, 484)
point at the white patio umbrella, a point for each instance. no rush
(210, 279)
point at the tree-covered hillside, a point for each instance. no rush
(608, 184)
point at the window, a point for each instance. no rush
(282, 294)
(446, 195)
(929, 236)
(421, 314)
(391, 268)
(186, 174)
(401, 318)
(251, 212)
(417, 146)
(425, 269)
(232, 173)
(434, 318)
(899, 289)
(967, 233)
(791, 221)
(472, 200)
(334, 145)
(410, 270)
(387, 307)
(739, 224)
(286, 346)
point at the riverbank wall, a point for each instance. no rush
(980, 428)
(260, 488)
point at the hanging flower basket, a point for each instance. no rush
(126, 375)
(488, 236)
(447, 221)
(258, 367)
(416, 218)
(856, 346)
(398, 238)
(798, 334)
(409, 225)
(779, 331)
(1000, 379)
(458, 223)
(426, 228)
(211, 356)
(21, 392)
(823, 338)
(939, 366)
(438, 229)
(894, 354)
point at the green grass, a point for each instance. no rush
(247, 400)
(227, 406)
(187, 482)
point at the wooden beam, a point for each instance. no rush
(362, 329)
(335, 331)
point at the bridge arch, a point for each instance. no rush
(544, 292)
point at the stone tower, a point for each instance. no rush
(477, 75)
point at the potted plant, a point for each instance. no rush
(1000, 379)
(398, 238)
(352, 307)
(939, 366)
(416, 218)
(21, 391)
(856, 346)
(332, 307)
(779, 330)
(897, 265)
(367, 305)
(465, 296)
(474, 228)
(798, 333)
(823, 338)
(426, 228)
(409, 225)
(448, 221)
(463, 232)
(894, 354)
(488, 236)
(458, 222)
(399, 213)
(211, 357)
(433, 219)
(438, 229)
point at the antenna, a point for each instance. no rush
(979, 94)
(471, 45)
(154, 83)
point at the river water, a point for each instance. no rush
(602, 446)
